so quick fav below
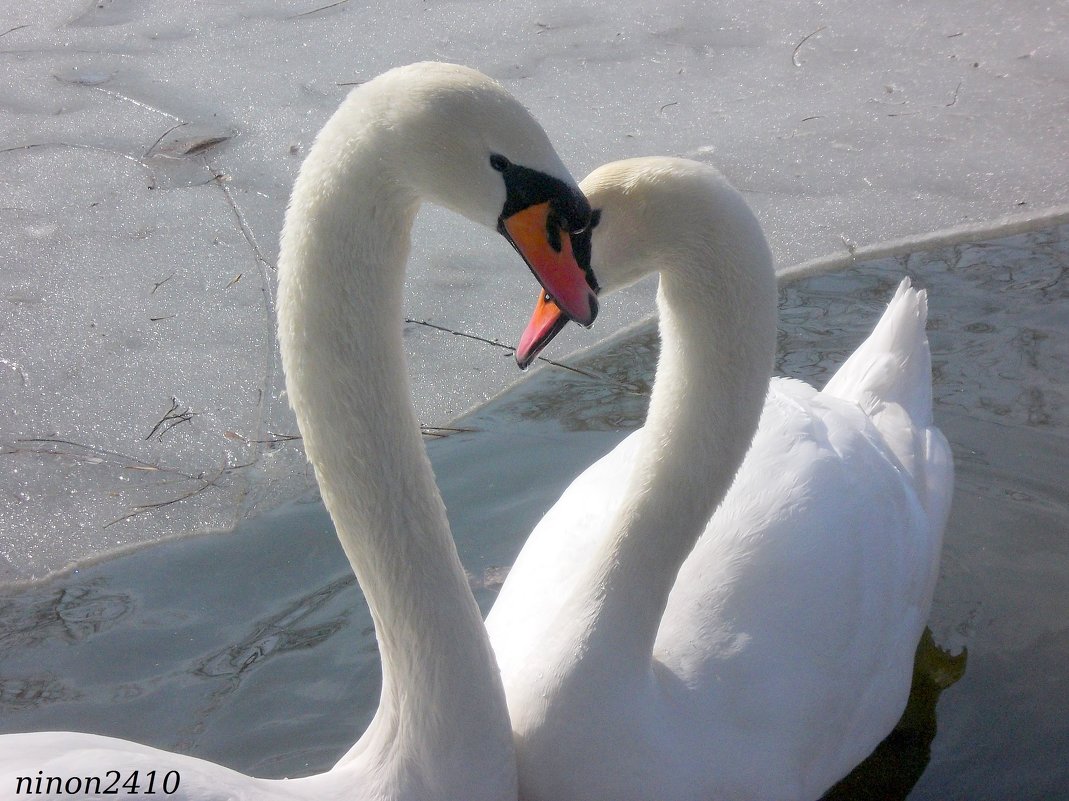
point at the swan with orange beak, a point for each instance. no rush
(541, 218)
(549, 317)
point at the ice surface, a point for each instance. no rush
(147, 150)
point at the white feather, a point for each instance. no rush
(423, 132)
(727, 605)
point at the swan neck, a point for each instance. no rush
(341, 271)
(717, 349)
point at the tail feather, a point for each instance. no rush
(890, 377)
(894, 365)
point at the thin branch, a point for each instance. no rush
(509, 348)
(317, 10)
(162, 135)
(206, 483)
(203, 143)
(428, 431)
(164, 281)
(171, 418)
(477, 338)
(12, 30)
(283, 437)
(138, 464)
(806, 38)
(440, 432)
(275, 438)
(954, 99)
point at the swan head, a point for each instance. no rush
(652, 215)
(465, 143)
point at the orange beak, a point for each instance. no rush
(547, 248)
(546, 322)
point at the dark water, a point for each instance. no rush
(255, 649)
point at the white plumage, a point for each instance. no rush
(727, 605)
(441, 731)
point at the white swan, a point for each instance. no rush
(428, 131)
(709, 613)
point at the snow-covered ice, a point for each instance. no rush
(147, 149)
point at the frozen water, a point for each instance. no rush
(256, 649)
(147, 150)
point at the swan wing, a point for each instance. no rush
(791, 628)
(794, 619)
(784, 653)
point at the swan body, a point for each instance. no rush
(727, 605)
(433, 132)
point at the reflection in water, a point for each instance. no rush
(893, 769)
(999, 330)
(1002, 357)
(70, 614)
(18, 694)
(278, 634)
(255, 649)
(611, 396)
(996, 324)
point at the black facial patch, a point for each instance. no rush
(581, 249)
(569, 209)
(526, 187)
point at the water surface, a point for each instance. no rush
(255, 648)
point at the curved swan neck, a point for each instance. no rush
(341, 267)
(717, 308)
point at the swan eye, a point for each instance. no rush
(499, 162)
(586, 222)
(553, 228)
